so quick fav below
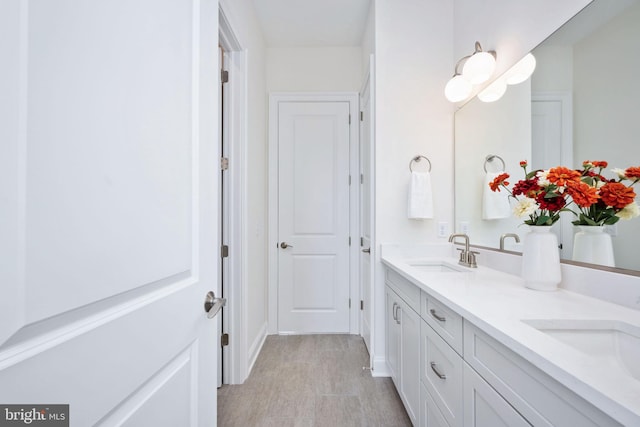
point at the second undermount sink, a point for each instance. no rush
(437, 266)
(611, 342)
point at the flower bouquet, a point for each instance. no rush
(540, 196)
(601, 201)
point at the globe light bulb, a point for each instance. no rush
(457, 89)
(479, 67)
(521, 71)
(494, 91)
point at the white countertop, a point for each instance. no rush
(497, 303)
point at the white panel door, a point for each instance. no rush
(313, 217)
(108, 209)
(550, 148)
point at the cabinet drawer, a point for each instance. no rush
(534, 394)
(430, 415)
(408, 291)
(441, 373)
(446, 322)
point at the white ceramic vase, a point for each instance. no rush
(593, 245)
(541, 259)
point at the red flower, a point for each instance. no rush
(599, 164)
(632, 172)
(582, 194)
(498, 181)
(617, 195)
(561, 175)
(523, 163)
(528, 188)
(552, 204)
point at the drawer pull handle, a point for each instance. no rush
(440, 375)
(438, 318)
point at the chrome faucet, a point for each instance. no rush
(467, 257)
(504, 236)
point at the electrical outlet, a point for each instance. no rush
(464, 227)
(443, 229)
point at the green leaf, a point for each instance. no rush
(612, 220)
(543, 220)
(531, 174)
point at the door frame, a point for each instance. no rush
(235, 357)
(354, 199)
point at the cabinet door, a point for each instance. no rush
(409, 360)
(430, 415)
(484, 407)
(392, 349)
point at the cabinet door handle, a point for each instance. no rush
(395, 305)
(438, 373)
(398, 308)
(437, 317)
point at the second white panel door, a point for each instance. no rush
(313, 217)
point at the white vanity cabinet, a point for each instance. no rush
(451, 373)
(403, 341)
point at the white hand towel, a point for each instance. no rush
(495, 205)
(420, 196)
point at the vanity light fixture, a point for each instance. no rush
(477, 68)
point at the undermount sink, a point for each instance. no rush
(437, 267)
(611, 342)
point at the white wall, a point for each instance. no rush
(314, 69)
(242, 17)
(367, 45)
(413, 54)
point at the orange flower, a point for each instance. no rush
(617, 195)
(632, 172)
(582, 194)
(561, 175)
(498, 181)
(599, 164)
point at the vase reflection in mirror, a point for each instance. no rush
(593, 244)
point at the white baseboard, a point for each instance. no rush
(254, 349)
(380, 368)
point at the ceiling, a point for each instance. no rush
(312, 23)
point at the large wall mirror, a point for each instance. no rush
(582, 103)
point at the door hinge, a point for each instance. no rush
(224, 251)
(224, 163)
(349, 240)
(361, 305)
(224, 76)
(349, 179)
(362, 241)
(349, 118)
(362, 116)
(224, 340)
(361, 178)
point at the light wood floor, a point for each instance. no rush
(311, 380)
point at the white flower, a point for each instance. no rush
(630, 211)
(619, 172)
(542, 178)
(525, 207)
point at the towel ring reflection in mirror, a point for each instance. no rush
(490, 159)
(417, 159)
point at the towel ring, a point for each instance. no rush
(417, 159)
(490, 158)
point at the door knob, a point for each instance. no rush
(367, 251)
(284, 245)
(212, 305)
